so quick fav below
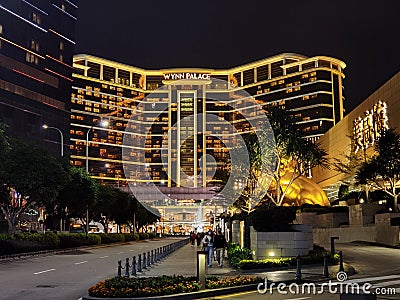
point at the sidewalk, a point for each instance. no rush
(183, 262)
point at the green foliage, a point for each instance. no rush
(237, 254)
(107, 238)
(5, 237)
(131, 237)
(343, 191)
(382, 171)
(316, 256)
(51, 239)
(152, 235)
(71, 240)
(143, 236)
(94, 239)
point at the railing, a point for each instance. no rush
(145, 261)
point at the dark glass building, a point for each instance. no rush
(36, 51)
(310, 88)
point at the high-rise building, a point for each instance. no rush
(310, 88)
(36, 51)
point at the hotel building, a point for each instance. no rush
(36, 51)
(357, 133)
(311, 88)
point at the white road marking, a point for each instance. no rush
(120, 252)
(82, 262)
(104, 256)
(298, 298)
(45, 271)
(131, 250)
(368, 279)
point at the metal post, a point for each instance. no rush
(144, 261)
(148, 258)
(333, 238)
(326, 272)
(139, 265)
(127, 267)
(152, 257)
(119, 272)
(341, 268)
(133, 266)
(298, 269)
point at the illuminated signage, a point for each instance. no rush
(367, 129)
(186, 76)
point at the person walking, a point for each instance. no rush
(192, 237)
(199, 238)
(208, 243)
(220, 244)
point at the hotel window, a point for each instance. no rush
(35, 45)
(31, 58)
(36, 18)
(312, 79)
(63, 7)
(306, 97)
(61, 46)
(304, 76)
(1, 29)
(61, 58)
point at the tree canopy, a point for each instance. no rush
(382, 171)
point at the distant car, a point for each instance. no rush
(76, 228)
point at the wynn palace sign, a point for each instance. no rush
(367, 129)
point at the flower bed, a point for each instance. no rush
(124, 287)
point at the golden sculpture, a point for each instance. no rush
(301, 191)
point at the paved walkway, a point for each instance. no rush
(183, 262)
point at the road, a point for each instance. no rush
(66, 276)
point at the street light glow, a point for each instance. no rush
(45, 126)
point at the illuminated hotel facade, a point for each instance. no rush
(311, 88)
(357, 133)
(36, 51)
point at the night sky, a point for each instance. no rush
(221, 34)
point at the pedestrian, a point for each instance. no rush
(199, 237)
(192, 237)
(220, 244)
(208, 243)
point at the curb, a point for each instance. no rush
(192, 295)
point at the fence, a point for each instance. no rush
(149, 259)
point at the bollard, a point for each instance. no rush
(144, 261)
(152, 257)
(119, 268)
(326, 272)
(156, 255)
(127, 267)
(139, 264)
(133, 266)
(148, 258)
(298, 269)
(341, 268)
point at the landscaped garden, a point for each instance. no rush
(30, 242)
(125, 287)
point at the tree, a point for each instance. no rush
(106, 198)
(79, 195)
(382, 171)
(294, 156)
(29, 176)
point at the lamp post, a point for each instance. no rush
(61, 135)
(103, 123)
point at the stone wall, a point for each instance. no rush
(282, 244)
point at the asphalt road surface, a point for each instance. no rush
(66, 276)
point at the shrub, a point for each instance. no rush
(94, 239)
(164, 285)
(71, 240)
(14, 246)
(5, 237)
(236, 254)
(131, 237)
(152, 235)
(143, 236)
(50, 239)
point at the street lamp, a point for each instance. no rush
(61, 134)
(103, 123)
